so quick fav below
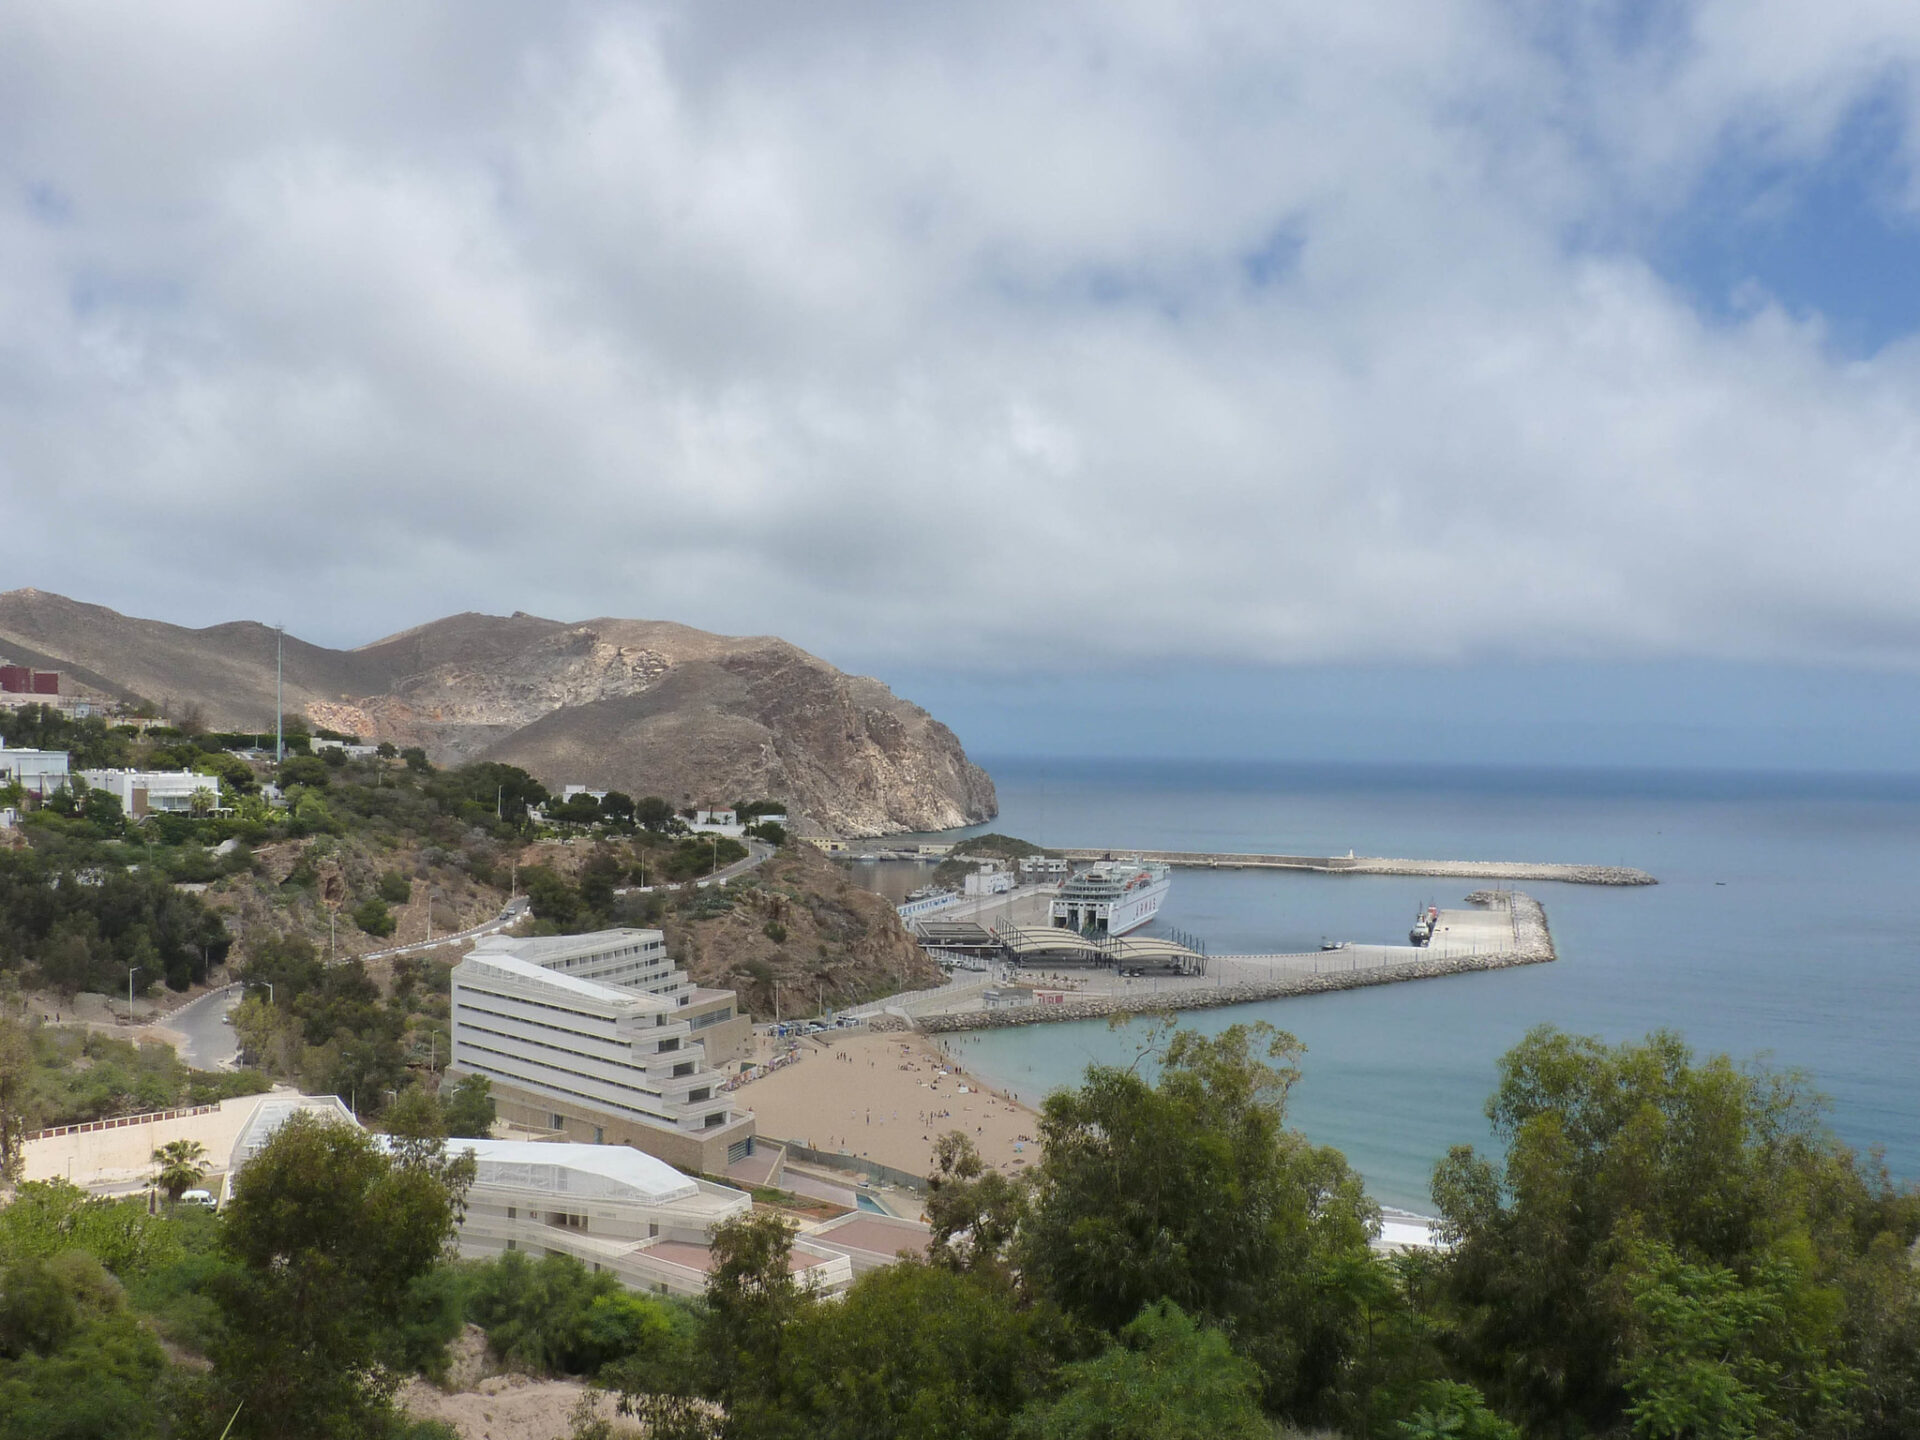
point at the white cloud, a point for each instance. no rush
(1245, 332)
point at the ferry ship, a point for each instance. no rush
(1110, 897)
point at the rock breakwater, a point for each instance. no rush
(1566, 874)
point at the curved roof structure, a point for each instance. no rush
(608, 1172)
(1036, 940)
(1149, 948)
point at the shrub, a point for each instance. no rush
(372, 916)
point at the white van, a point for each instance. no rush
(197, 1197)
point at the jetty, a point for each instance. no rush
(1503, 929)
(1377, 865)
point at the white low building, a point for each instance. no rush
(614, 1209)
(38, 772)
(602, 1038)
(156, 792)
(989, 882)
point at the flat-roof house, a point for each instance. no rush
(150, 792)
(39, 772)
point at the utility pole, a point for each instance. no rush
(132, 970)
(279, 695)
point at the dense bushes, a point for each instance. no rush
(72, 930)
(79, 1076)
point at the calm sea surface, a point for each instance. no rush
(1786, 927)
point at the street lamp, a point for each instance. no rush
(132, 970)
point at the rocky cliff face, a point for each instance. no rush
(647, 707)
(802, 925)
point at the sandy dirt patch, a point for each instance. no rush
(888, 1098)
(503, 1407)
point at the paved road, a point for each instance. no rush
(211, 1043)
(758, 853)
(516, 908)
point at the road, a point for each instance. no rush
(758, 853)
(210, 1041)
(516, 908)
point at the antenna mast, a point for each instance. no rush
(279, 695)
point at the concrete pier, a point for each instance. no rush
(1503, 930)
(1377, 865)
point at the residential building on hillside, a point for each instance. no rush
(150, 792)
(615, 1209)
(23, 680)
(602, 1038)
(39, 772)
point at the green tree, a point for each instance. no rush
(309, 770)
(372, 916)
(16, 1083)
(75, 1363)
(395, 888)
(328, 1232)
(1672, 1243)
(553, 1316)
(470, 1108)
(1448, 1410)
(416, 1114)
(752, 1301)
(178, 1166)
(1193, 1190)
(912, 1352)
(650, 812)
(1164, 1378)
(973, 1211)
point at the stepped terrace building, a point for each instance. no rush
(600, 1038)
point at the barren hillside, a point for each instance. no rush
(648, 707)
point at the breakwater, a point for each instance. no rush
(1532, 945)
(1379, 865)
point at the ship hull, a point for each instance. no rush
(1112, 917)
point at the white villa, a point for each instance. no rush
(39, 772)
(149, 792)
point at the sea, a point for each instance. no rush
(1785, 931)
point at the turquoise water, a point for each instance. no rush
(1786, 926)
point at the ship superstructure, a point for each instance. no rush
(1111, 897)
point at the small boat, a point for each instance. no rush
(1326, 944)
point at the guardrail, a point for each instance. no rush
(150, 1117)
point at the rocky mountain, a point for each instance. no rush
(644, 706)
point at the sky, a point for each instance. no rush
(1140, 376)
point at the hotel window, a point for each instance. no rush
(513, 1212)
(713, 1120)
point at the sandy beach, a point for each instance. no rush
(888, 1098)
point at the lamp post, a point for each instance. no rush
(132, 970)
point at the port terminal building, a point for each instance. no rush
(601, 1039)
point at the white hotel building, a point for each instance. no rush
(601, 1039)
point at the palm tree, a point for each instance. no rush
(177, 1167)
